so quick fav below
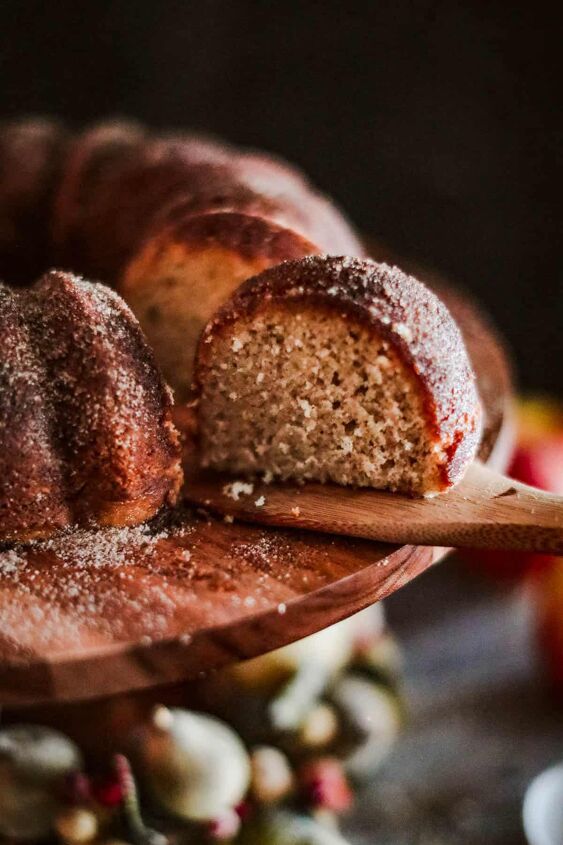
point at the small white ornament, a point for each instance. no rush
(194, 765)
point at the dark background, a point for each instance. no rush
(437, 125)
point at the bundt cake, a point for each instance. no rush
(99, 193)
(119, 204)
(377, 389)
(174, 221)
(177, 223)
(337, 369)
(126, 190)
(86, 435)
(183, 274)
(203, 245)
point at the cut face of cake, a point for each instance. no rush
(337, 370)
(114, 202)
(188, 270)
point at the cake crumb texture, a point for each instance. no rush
(364, 380)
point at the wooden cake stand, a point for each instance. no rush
(92, 614)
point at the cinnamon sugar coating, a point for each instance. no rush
(188, 269)
(121, 185)
(176, 222)
(409, 325)
(86, 435)
(93, 203)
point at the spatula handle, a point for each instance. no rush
(486, 510)
(489, 510)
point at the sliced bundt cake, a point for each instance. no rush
(337, 369)
(188, 269)
(123, 214)
(86, 435)
(238, 219)
(116, 201)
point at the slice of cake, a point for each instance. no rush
(337, 369)
(186, 271)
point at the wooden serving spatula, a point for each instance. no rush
(486, 510)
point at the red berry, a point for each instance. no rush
(224, 827)
(244, 810)
(325, 785)
(108, 794)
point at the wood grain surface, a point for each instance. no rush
(485, 510)
(97, 613)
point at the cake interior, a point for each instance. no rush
(206, 281)
(309, 394)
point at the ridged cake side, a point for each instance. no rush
(86, 435)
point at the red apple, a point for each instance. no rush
(541, 463)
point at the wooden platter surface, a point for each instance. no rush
(91, 614)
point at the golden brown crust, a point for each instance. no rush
(400, 309)
(87, 203)
(86, 432)
(130, 193)
(319, 218)
(121, 184)
(220, 192)
(249, 236)
(90, 204)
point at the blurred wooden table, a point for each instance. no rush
(480, 722)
